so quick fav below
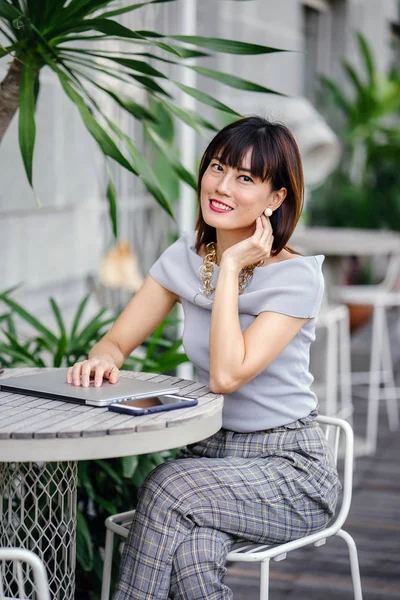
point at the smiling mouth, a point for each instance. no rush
(220, 206)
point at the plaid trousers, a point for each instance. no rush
(266, 487)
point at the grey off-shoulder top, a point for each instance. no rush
(281, 393)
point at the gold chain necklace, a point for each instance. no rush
(207, 270)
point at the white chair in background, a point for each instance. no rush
(380, 377)
(15, 564)
(336, 388)
(120, 523)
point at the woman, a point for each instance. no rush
(250, 305)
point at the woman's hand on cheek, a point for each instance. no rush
(252, 250)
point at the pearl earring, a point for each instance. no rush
(268, 212)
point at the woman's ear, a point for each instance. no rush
(277, 198)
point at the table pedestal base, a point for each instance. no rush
(38, 512)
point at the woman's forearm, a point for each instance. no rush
(227, 347)
(106, 347)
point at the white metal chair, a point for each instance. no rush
(120, 524)
(336, 392)
(26, 570)
(380, 377)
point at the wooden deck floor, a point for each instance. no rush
(374, 522)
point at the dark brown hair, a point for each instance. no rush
(275, 158)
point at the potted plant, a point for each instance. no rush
(364, 192)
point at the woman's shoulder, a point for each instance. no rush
(293, 266)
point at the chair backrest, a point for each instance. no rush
(340, 438)
(392, 273)
(21, 570)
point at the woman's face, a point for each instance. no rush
(233, 198)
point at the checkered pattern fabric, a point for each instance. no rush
(267, 487)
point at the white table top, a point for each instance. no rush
(39, 429)
(338, 241)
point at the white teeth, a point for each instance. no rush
(221, 206)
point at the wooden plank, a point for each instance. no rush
(6, 425)
(26, 428)
(65, 428)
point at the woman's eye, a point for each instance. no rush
(246, 178)
(216, 167)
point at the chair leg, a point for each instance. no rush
(354, 566)
(108, 556)
(390, 386)
(374, 378)
(264, 580)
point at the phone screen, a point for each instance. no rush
(155, 401)
(142, 403)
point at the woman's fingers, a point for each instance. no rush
(69, 375)
(113, 376)
(86, 369)
(80, 372)
(98, 375)
(267, 237)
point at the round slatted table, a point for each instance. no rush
(41, 441)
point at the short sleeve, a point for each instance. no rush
(294, 288)
(167, 270)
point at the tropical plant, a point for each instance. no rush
(105, 487)
(63, 348)
(365, 190)
(76, 39)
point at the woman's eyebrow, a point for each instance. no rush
(237, 168)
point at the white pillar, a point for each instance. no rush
(187, 146)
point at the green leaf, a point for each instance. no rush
(135, 65)
(139, 111)
(190, 117)
(180, 51)
(10, 290)
(84, 544)
(338, 96)
(367, 58)
(92, 329)
(354, 78)
(173, 160)
(110, 471)
(26, 124)
(106, 144)
(8, 11)
(60, 351)
(84, 479)
(149, 84)
(227, 46)
(110, 28)
(233, 81)
(112, 207)
(78, 316)
(129, 465)
(57, 314)
(22, 357)
(31, 320)
(3, 51)
(206, 98)
(146, 172)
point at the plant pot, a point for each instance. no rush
(359, 315)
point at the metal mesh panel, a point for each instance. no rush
(38, 512)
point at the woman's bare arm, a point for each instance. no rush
(236, 357)
(147, 309)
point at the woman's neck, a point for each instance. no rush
(228, 238)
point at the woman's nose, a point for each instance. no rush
(223, 186)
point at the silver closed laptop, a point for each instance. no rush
(53, 385)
